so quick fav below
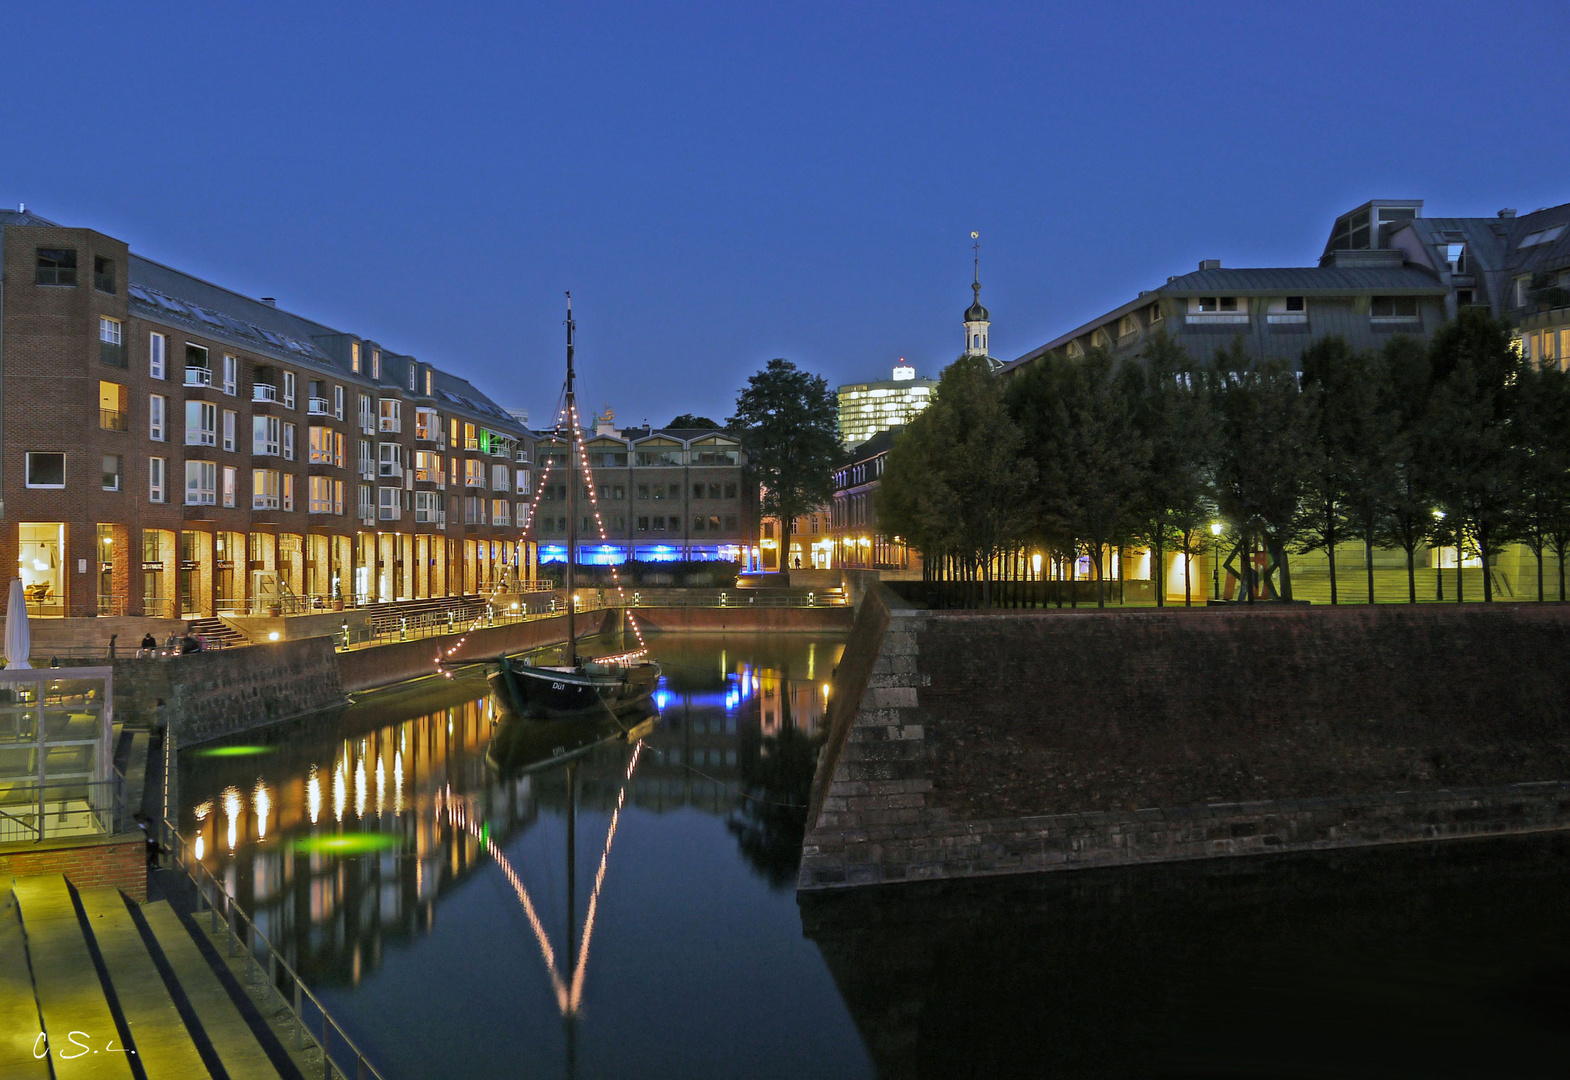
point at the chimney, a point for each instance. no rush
(1507, 212)
(269, 301)
(1210, 264)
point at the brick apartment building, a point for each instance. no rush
(174, 448)
(663, 494)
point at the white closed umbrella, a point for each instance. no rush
(18, 638)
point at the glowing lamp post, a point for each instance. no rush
(1215, 559)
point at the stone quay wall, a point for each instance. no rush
(993, 743)
(208, 695)
(745, 619)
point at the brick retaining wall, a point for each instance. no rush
(118, 862)
(996, 743)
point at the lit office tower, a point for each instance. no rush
(870, 407)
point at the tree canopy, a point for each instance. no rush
(693, 420)
(787, 421)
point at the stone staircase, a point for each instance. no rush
(216, 630)
(94, 986)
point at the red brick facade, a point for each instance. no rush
(118, 862)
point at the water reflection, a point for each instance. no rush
(335, 868)
(1435, 961)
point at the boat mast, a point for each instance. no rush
(570, 654)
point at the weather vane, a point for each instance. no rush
(976, 247)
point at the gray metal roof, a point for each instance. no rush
(24, 217)
(1306, 281)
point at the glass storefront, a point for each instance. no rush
(40, 564)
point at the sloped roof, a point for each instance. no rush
(1305, 280)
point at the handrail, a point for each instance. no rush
(238, 926)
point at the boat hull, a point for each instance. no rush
(556, 691)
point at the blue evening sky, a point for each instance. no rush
(722, 184)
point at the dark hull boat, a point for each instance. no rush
(589, 687)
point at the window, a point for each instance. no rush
(367, 414)
(231, 375)
(264, 489)
(338, 443)
(376, 364)
(56, 266)
(523, 486)
(675, 491)
(1543, 236)
(714, 491)
(111, 472)
(156, 346)
(414, 373)
(1393, 307)
(428, 384)
(471, 437)
(1295, 303)
(366, 503)
(501, 477)
(522, 519)
(428, 467)
(320, 493)
(697, 491)
(201, 423)
(473, 473)
(338, 402)
(1455, 258)
(231, 419)
(231, 477)
(391, 415)
(354, 357)
(111, 346)
(1464, 297)
(1523, 288)
(197, 369)
(156, 404)
(643, 523)
(103, 274)
(156, 468)
(390, 457)
(1218, 303)
(730, 522)
(1127, 325)
(697, 523)
(288, 491)
(319, 445)
(288, 442)
(389, 507)
(288, 389)
(112, 407)
(266, 435)
(427, 424)
(501, 511)
(201, 483)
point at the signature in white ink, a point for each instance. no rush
(80, 1041)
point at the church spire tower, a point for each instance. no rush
(977, 320)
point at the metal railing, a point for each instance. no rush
(31, 811)
(113, 420)
(198, 376)
(269, 970)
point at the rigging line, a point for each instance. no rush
(599, 880)
(458, 815)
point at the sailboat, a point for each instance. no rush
(577, 685)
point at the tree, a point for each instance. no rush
(1178, 429)
(1469, 444)
(787, 421)
(1079, 421)
(1266, 455)
(692, 420)
(1346, 490)
(1407, 520)
(1541, 409)
(956, 480)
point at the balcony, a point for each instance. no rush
(367, 424)
(264, 392)
(113, 420)
(390, 513)
(112, 353)
(368, 469)
(198, 376)
(1287, 318)
(389, 468)
(521, 457)
(430, 517)
(319, 406)
(474, 481)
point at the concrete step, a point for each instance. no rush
(70, 996)
(163, 1043)
(19, 1020)
(242, 1056)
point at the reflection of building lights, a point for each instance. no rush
(398, 782)
(381, 785)
(825, 691)
(359, 788)
(232, 808)
(201, 846)
(340, 789)
(313, 795)
(203, 810)
(273, 636)
(263, 804)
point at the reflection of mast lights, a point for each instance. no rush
(313, 795)
(599, 880)
(264, 804)
(232, 808)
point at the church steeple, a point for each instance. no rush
(977, 319)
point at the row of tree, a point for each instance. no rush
(1455, 442)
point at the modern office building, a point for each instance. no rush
(174, 448)
(662, 495)
(870, 407)
(1384, 270)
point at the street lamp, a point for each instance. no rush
(1215, 559)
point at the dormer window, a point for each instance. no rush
(1455, 258)
(1217, 303)
(1295, 303)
